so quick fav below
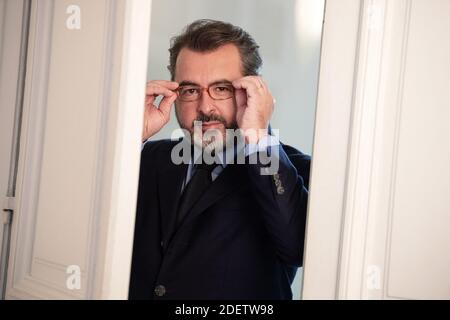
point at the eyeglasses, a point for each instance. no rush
(217, 91)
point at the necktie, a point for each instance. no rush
(196, 186)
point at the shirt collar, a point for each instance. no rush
(221, 155)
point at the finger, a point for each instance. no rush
(260, 83)
(252, 86)
(166, 104)
(252, 81)
(156, 90)
(241, 97)
(171, 85)
(263, 83)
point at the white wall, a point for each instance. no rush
(289, 36)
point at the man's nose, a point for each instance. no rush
(205, 103)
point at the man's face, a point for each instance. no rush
(204, 69)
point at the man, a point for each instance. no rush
(228, 231)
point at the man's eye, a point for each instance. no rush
(189, 91)
(222, 89)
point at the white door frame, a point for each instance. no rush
(110, 240)
(356, 141)
(331, 148)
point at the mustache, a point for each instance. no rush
(208, 118)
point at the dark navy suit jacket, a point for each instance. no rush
(243, 239)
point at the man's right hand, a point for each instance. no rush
(156, 117)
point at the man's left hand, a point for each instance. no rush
(255, 106)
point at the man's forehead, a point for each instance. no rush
(223, 63)
(187, 82)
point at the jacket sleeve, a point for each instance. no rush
(282, 196)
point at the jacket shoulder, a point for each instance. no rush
(157, 151)
(158, 145)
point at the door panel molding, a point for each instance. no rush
(383, 233)
(31, 153)
(90, 222)
(14, 21)
(374, 144)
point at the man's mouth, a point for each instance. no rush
(210, 125)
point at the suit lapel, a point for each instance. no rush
(230, 180)
(170, 181)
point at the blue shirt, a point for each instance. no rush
(264, 143)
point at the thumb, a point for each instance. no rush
(165, 105)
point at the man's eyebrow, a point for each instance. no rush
(221, 81)
(191, 83)
(188, 83)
